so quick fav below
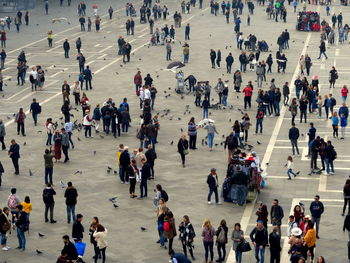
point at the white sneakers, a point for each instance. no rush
(209, 203)
(5, 248)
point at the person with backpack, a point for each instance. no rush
(221, 240)
(169, 228)
(330, 156)
(49, 202)
(231, 143)
(13, 202)
(259, 120)
(259, 238)
(187, 235)
(22, 224)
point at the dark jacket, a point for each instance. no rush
(35, 108)
(316, 209)
(69, 251)
(14, 148)
(275, 241)
(182, 146)
(48, 194)
(259, 236)
(22, 219)
(212, 181)
(229, 60)
(151, 156)
(66, 45)
(124, 159)
(71, 195)
(293, 133)
(77, 231)
(146, 172)
(276, 213)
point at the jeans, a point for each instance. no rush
(316, 221)
(224, 100)
(346, 201)
(65, 152)
(71, 211)
(302, 114)
(3, 239)
(20, 127)
(161, 237)
(102, 252)
(197, 101)
(35, 118)
(329, 162)
(66, 53)
(193, 139)
(208, 246)
(49, 139)
(247, 102)
(324, 53)
(215, 191)
(241, 194)
(48, 175)
(294, 145)
(343, 98)
(210, 140)
(205, 113)
(277, 108)
(262, 254)
(87, 130)
(289, 172)
(259, 124)
(238, 256)
(125, 127)
(143, 188)
(21, 238)
(47, 208)
(239, 139)
(186, 58)
(152, 140)
(88, 83)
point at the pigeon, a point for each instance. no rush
(115, 172)
(39, 252)
(202, 141)
(78, 172)
(143, 228)
(8, 117)
(302, 134)
(41, 235)
(121, 65)
(62, 184)
(267, 163)
(108, 171)
(172, 142)
(61, 118)
(30, 173)
(115, 205)
(25, 143)
(216, 144)
(39, 131)
(109, 168)
(181, 130)
(301, 204)
(258, 142)
(101, 136)
(179, 119)
(94, 152)
(78, 139)
(112, 199)
(223, 136)
(230, 120)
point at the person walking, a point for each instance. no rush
(343, 124)
(192, 133)
(19, 119)
(346, 194)
(65, 144)
(335, 124)
(88, 77)
(237, 237)
(259, 238)
(187, 235)
(276, 215)
(208, 233)
(49, 202)
(333, 76)
(316, 210)
(322, 48)
(221, 240)
(100, 236)
(290, 167)
(2, 135)
(71, 195)
(48, 156)
(229, 62)
(213, 184)
(14, 155)
(169, 229)
(211, 129)
(182, 148)
(50, 38)
(293, 137)
(275, 246)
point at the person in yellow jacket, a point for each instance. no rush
(310, 241)
(27, 205)
(50, 37)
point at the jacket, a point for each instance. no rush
(276, 214)
(48, 194)
(77, 231)
(310, 237)
(20, 119)
(2, 129)
(124, 159)
(71, 195)
(151, 156)
(316, 209)
(212, 181)
(146, 172)
(222, 228)
(182, 145)
(69, 251)
(293, 133)
(275, 241)
(48, 160)
(14, 148)
(100, 238)
(260, 237)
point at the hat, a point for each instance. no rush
(307, 216)
(213, 169)
(296, 231)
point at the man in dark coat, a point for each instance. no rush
(14, 155)
(145, 175)
(151, 156)
(124, 163)
(78, 229)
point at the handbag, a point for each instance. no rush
(244, 246)
(185, 150)
(6, 227)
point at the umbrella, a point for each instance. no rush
(175, 64)
(205, 122)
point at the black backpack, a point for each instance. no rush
(164, 195)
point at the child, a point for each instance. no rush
(335, 123)
(290, 166)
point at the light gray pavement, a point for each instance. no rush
(187, 187)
